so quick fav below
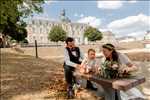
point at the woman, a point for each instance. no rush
(113, 57)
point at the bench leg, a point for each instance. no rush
(111, 94)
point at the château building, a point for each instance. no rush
(38, 29)
(147, 40)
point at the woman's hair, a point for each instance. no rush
(110, 47)
(91, 50)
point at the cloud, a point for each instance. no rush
(132, 1)
(131, 25)
(139, 35)
(43, 16)
(113, 4)
(78, 15)
(91, 20)
(109, 4)
(48, 2)
(81, 15)
(103, 29)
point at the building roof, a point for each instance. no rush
(55, 21)
(108, 33)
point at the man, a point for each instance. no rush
(72, 57)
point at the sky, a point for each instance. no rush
(123, 18)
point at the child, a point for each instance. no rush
(90, 65)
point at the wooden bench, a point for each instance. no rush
(113, 85)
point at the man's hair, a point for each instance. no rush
(69, 39)
(91, 50)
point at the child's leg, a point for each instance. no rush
(90, 85)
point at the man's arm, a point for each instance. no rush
(67, 59)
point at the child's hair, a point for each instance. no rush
(91, 50)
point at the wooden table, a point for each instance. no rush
(113, 86)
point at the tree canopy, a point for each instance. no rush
(93, 34)
(12, 16)
(57, 34)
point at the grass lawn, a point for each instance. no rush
(24, 77)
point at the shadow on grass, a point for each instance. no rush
(21, 74)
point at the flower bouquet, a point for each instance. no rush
(111, 70)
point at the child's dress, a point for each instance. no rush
(90, 65)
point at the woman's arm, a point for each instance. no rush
(124, 59)
(131, 67)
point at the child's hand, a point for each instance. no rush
(82, 70)
(97, 70)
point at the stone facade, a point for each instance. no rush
(147, 40)
(109, 37)
(38, 29)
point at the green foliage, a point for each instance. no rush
(25, 41)
(57, 34)
(15, 31)
(12, 14)
(111, 70)
(93, 34)
(108, 71)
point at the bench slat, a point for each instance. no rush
(119, 84)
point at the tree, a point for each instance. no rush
(13, 13)
(16, 31)
(93, 34)
(57, 34)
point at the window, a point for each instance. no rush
(33, 22)
(40, 22)
(33, 37)
(40, 30)
(41, 38)
(33, 30)
(47, 23)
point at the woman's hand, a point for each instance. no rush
(129, 69)
(132, 67)
(126, 70)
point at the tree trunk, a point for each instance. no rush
(4, 41)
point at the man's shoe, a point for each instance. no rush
(70, 94)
